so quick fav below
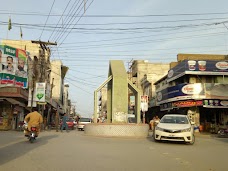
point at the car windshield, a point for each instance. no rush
(84, 120)
(174, 120)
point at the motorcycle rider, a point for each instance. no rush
(33, 119)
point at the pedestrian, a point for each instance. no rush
(64, 123)
(157, 120)
(152, 123)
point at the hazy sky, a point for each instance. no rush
(154, 30)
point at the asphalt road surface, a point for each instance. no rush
(74, 151)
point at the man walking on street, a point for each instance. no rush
(64, 124)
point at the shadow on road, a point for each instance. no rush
(18, 149)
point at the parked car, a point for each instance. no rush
(82, 122)
(175, 127)
(70, 123)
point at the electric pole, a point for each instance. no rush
(43, 65)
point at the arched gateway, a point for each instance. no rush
(117, 106)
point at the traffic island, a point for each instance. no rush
(117, 130)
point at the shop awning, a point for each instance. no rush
(13, 101)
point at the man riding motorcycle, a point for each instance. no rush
(33, 119)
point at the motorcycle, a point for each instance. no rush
(223, 133)
(32, 134)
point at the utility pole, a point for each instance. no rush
(49, 110)
(33, 84)
(42, 62)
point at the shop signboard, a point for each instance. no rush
(40, 92)
(13, 67)
(187, 103)
(144, 103)
(181, 92)
(205, 67)
(215, 103)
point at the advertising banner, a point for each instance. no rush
(215, 103)
(40, 92)
(13, 67)
(181, 92)
(198, 67)
(144, 103)
(188, 103)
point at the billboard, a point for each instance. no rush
(181, 92)
(193, 91)
(215, 103)
(13, 67)
(199, 68)
(40, 92)
(144, 103)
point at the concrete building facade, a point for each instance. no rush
(196, 85)
(144, 74)
(58, 73)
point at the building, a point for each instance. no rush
(38, 67)
(144, 74)
(57, 75)
(13, 86)
(67, 102)
(196, 85)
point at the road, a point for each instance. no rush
(75, 151)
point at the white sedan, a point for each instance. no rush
(175, 127)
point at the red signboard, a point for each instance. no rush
(188, 103)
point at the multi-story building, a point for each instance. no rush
(144, 74)
(38, 68)
(196, 85)
(58, 73)
(14, 90)
(66, 104)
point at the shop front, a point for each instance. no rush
(205, 103)
(13, 102)
(214, 115)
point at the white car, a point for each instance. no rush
(82, 122)
(175, 127)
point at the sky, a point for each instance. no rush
(90, 34)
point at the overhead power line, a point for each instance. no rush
(60, 19)
(47, 19)
(5, 12)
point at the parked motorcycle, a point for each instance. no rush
(32, 133)
(223, 133)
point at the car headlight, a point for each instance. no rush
(158, 128)
(186, 130)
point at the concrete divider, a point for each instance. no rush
(117, 130)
